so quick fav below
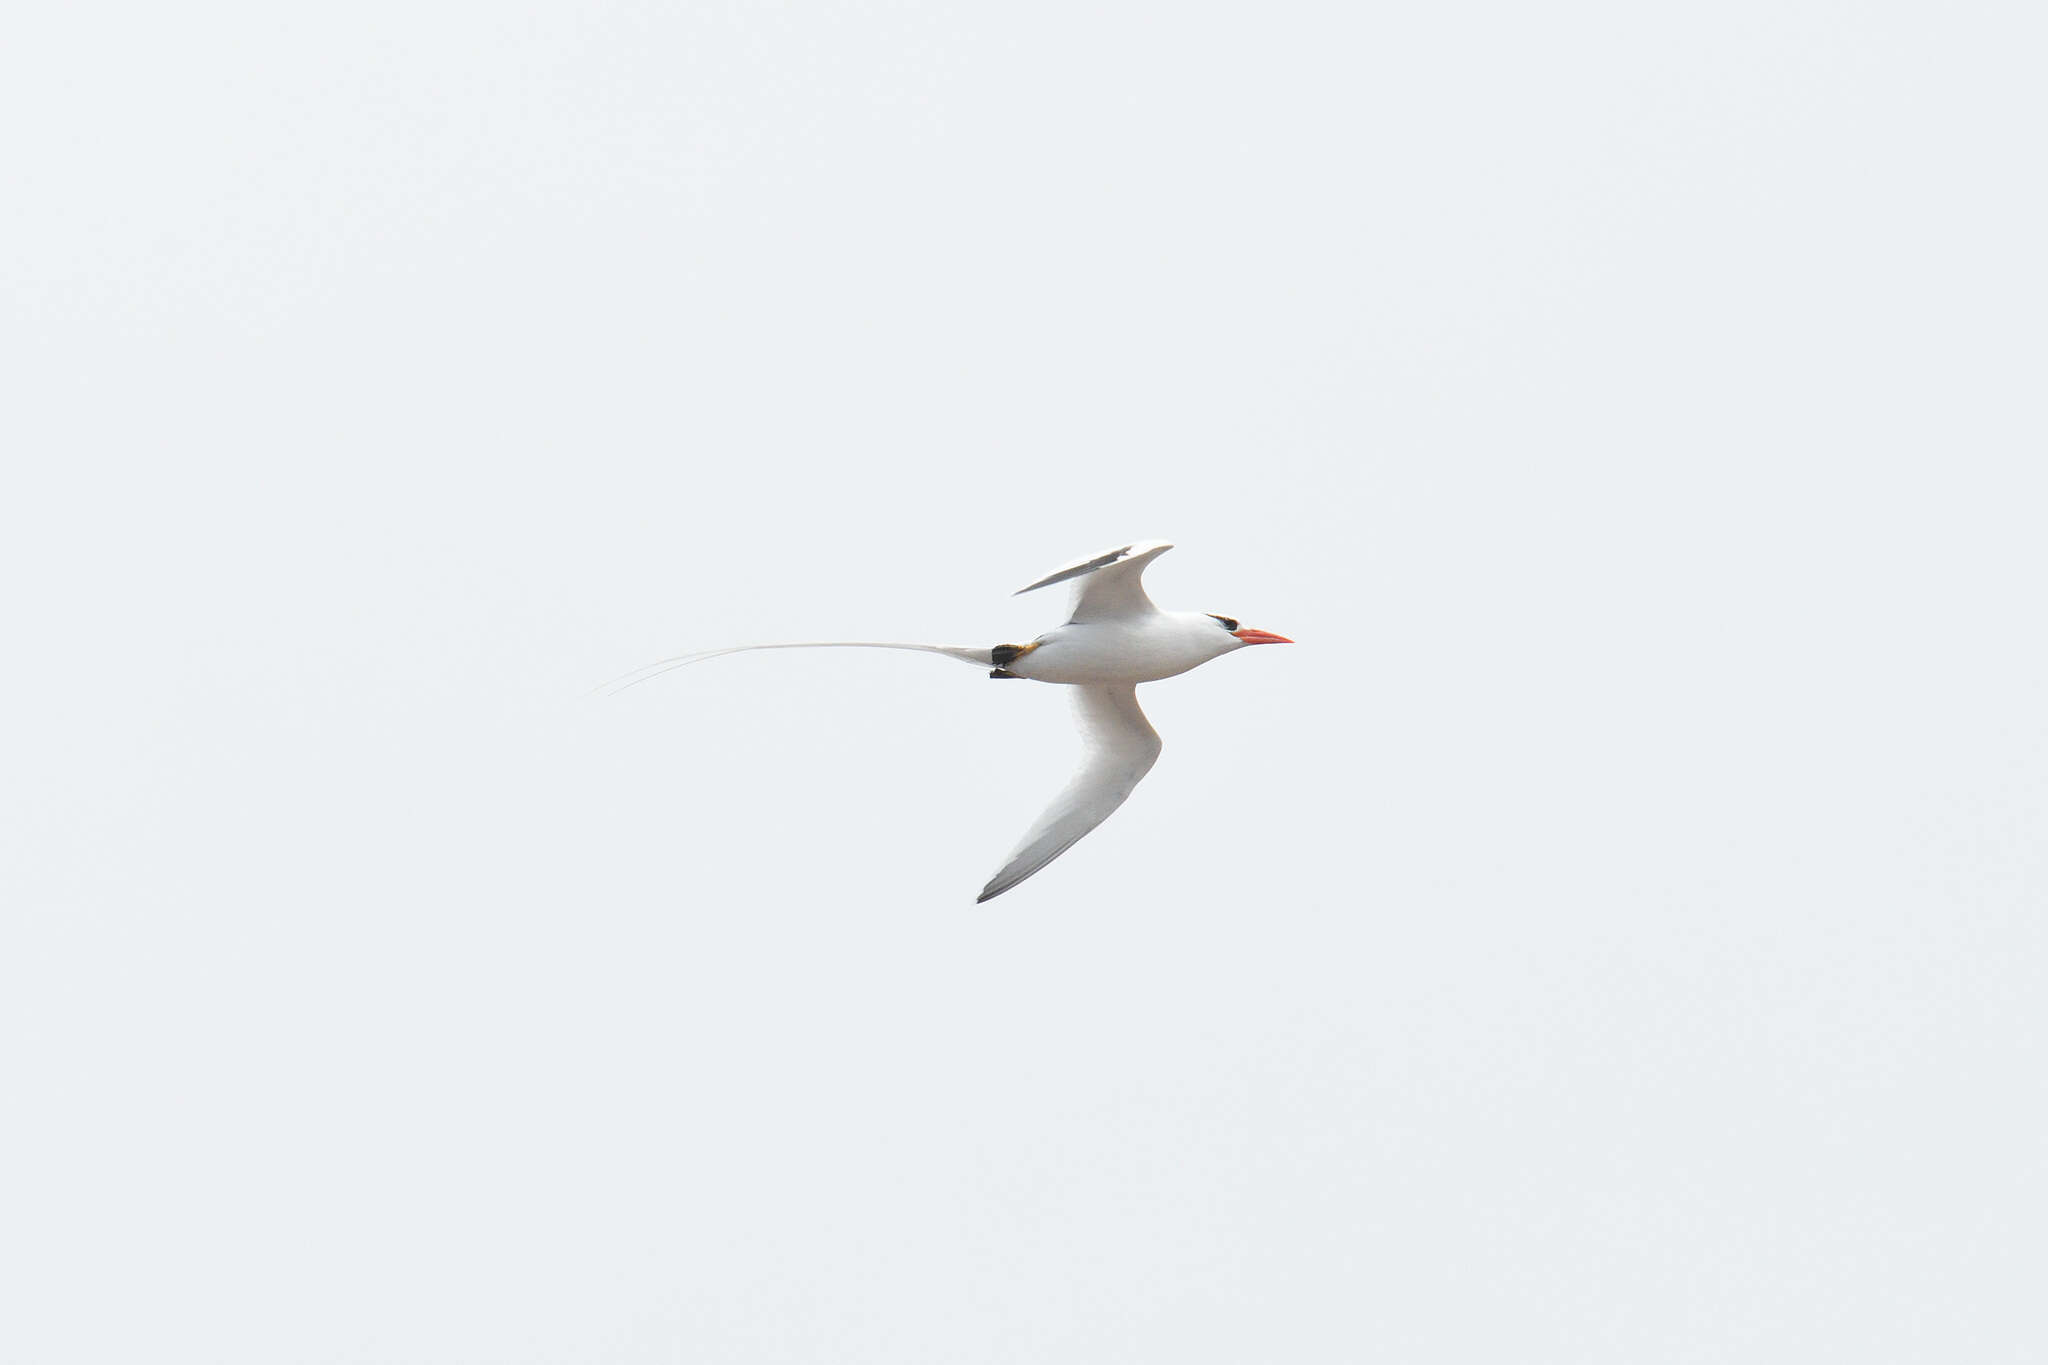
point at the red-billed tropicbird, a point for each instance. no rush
(1114, 640)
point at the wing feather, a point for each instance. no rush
(1123, 746)
(1111, 583)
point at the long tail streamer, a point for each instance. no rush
(979, 658)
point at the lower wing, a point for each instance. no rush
(1123, 746)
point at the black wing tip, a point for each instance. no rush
(997, 885)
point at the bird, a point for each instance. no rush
(1114, 638)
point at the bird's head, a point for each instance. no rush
(1247, 635)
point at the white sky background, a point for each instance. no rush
(1613, 934)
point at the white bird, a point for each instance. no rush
(1113, 640)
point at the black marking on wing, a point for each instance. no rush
(1101, 561)
(1002, 656)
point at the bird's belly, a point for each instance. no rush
(1094, 655)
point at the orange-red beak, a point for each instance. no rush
(1260, 637)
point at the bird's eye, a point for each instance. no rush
(1228, 624)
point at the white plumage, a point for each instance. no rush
(1114, 639)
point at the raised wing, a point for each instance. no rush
(1122, 747)
(1110, 584)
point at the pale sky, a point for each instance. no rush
(1613, 934)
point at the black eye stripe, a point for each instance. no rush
(1228, 624)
